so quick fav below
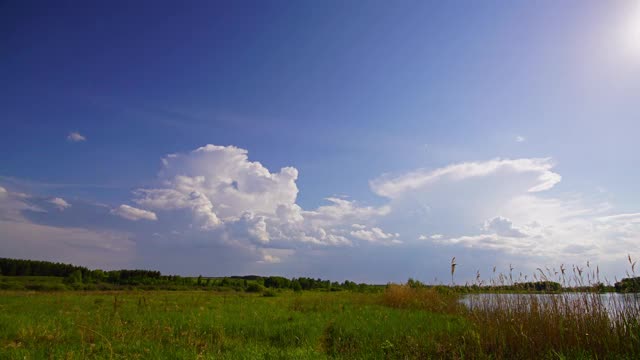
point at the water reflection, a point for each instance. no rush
(614, 304)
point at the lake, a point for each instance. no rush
(613, 303)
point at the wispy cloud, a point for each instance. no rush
(394, 187)
(75, 136)
(28, 185)
(23, 237)
(134, 214)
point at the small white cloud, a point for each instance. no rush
(520, 139)
(269, 259)
(134, 214)
(3, 191)
(376, 235)
(60, 203)
(75, 136)
(432, 237)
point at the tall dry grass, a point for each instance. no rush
(432, 299)
(580, 323)
(568, 324)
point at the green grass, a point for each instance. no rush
(190, 325)
(404, 322)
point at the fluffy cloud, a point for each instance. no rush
(241, 200)
(75, 136)
(221, 205)
(60, 203)
(219, 182)
(172, 199)
(504, 207)
(560, 230)
(270, 259)
(134, 214)
(250, 227)
(520, 139)
(503, 227)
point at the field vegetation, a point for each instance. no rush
(256, 319)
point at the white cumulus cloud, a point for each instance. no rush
(241, 200)
(501, 206)
(503, 227)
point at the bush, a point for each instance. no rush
(254, 288)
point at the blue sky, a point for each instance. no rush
(497, 132)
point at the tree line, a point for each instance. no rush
(78, 275)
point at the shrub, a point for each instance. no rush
(254, 288)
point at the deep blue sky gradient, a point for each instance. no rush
(343, 91)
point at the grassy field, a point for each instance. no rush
(190, 325)
(401, 323)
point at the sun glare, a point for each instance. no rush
(631, 31)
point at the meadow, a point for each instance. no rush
(407, 321)
(196, 324)
(60, 311)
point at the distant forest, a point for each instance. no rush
(17, 274)
(80, 277)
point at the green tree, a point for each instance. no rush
(295, 285)
(73, 278)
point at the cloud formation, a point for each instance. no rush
(540, 168)
(25, 239)
(75, 136)
(214, 202)
(374, 235)
(496, 205)
(504, 206)
(240, 201)
(432, 237)
(503, 227)
(134, 214)
(60, 203)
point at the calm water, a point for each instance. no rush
(613, 303)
